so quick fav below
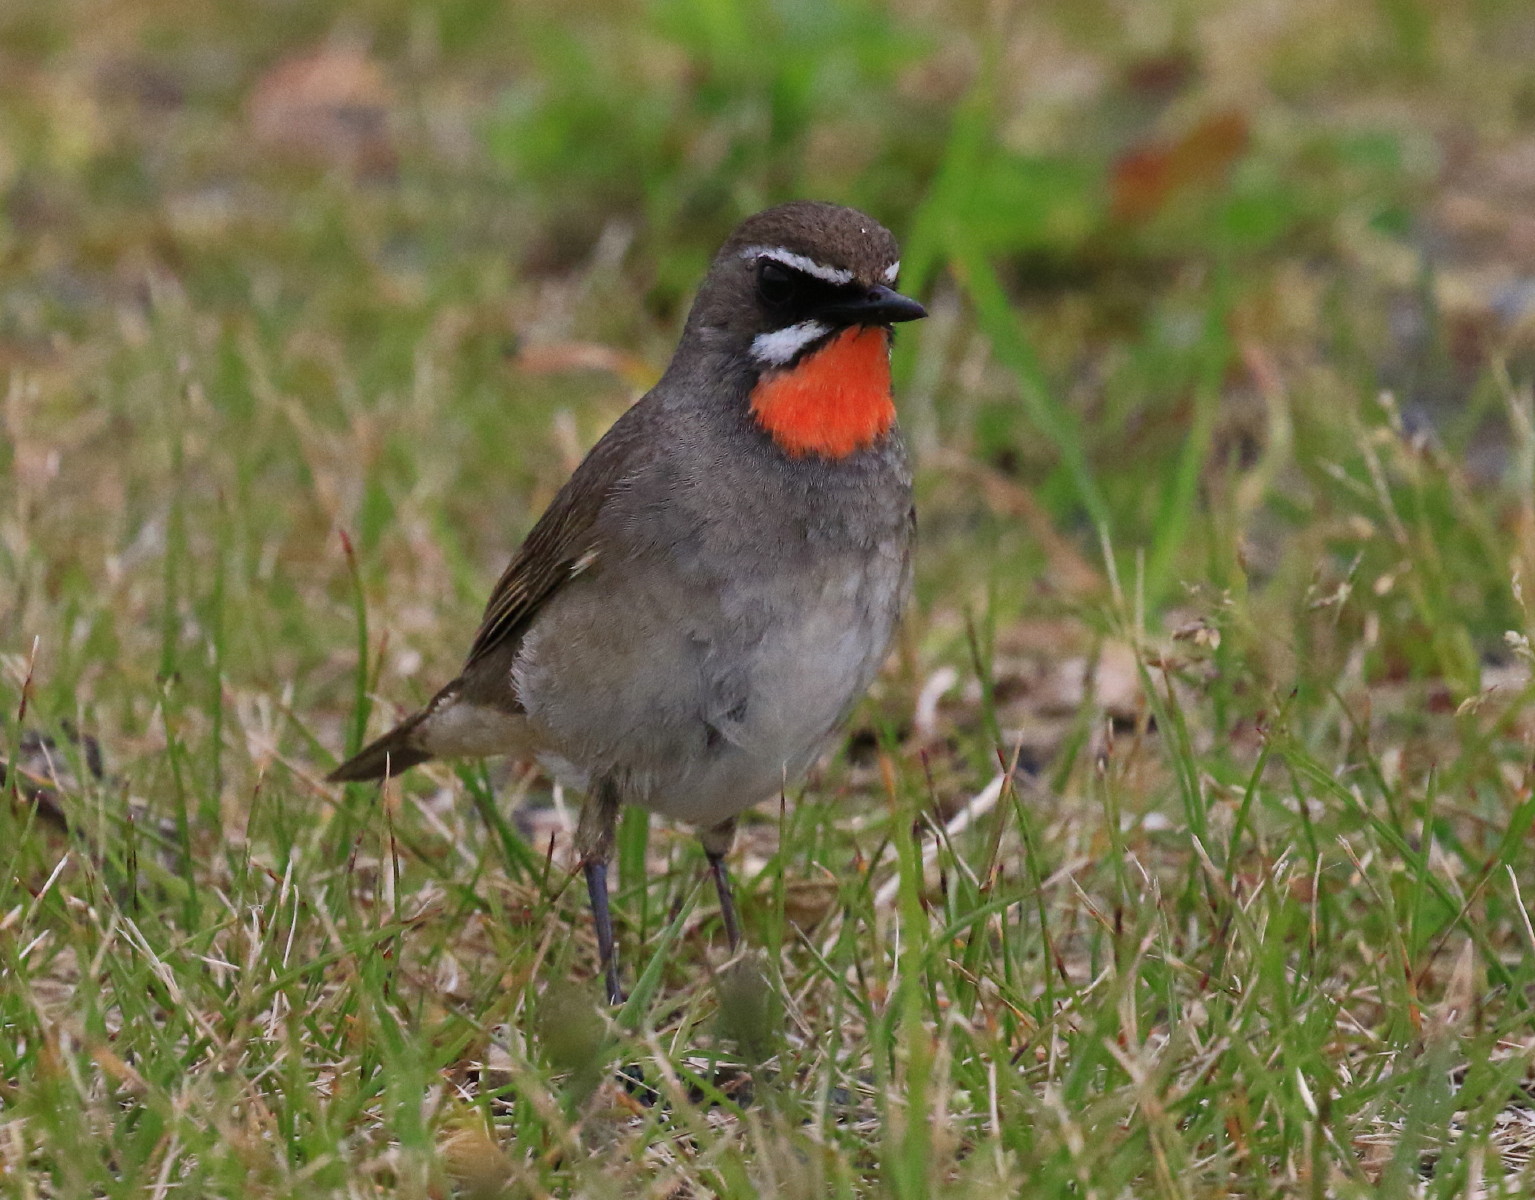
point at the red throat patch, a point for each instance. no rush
(832, 402)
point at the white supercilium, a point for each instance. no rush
(798, 262)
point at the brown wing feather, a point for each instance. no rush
(554, 551)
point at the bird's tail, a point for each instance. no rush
(396, 751)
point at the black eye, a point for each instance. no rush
(776, 283)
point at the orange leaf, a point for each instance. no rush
(1146, 176)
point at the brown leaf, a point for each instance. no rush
(329, 107)
(555, 357)
(1145, 177)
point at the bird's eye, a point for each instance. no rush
(776, 283)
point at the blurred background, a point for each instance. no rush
(270, 271)
(1197, 792)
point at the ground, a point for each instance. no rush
(1181, 850)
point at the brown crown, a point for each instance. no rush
(829, 234)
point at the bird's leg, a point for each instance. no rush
(595, 834)
(716, 840)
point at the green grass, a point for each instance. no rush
(1183, 850)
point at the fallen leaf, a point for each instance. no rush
(555, 357)
(1145, 177)
(329, 107)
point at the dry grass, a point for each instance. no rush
(1181, 851)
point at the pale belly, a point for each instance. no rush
(700, 706)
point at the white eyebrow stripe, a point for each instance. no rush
(782, 345)
(893, 271)
(798, 262)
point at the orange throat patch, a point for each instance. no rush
(832, 402)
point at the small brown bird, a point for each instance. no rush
(718, 582)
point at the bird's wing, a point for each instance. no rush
(562, 543)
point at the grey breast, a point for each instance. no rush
(733, 615)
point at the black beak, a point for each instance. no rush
(878, 306)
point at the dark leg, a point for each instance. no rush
(594, 842)
(716, 845)
(727, 901)
(597, 893)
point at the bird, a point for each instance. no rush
(718, 582)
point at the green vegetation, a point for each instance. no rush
(1182, 851)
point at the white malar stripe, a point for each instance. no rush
(893, 271)
(782, 345)
(798, 262)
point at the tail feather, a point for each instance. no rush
(396, 751)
